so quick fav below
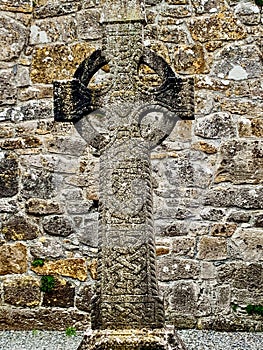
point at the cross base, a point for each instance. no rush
(132, 339)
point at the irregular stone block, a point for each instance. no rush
(239, 216)
(83, 298)
(258, 220)
(13, 258)
(58, 225)
(39, 206)
(49, 8)
(184, 246)
(212, 214)
(88, 25)
(205, 147)
(242, 106)
(248, 13)
(19, 228)
(29, 111)
(249, 244)
(209, 6)
(38, 183)
(12, 37)
(212, 248)
(242, 197)
(215, 126)
(250, 127)
(9, 177)
(62, 295)
(51, 30)
(23, 291)
(21, 143)
(16, 5)
(223, 230)
(75, 268)
(179, 11)
(66, 145)
(238, 62)
(182, 298)
(7, 87)
(47, 248)
(8, 207)
(171, 269)
(177, 34)
(240, 162)
(221, 26)
(57, 62)
(42, 318)
(190, 59)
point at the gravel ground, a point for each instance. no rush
(194, 340)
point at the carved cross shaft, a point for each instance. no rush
(124, 120)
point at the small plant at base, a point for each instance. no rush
(34, 332)
(234, 307)
(38, 262)
(47, 283)
(254, 309)
(71, 332)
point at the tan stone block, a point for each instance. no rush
(19, 228)
(16, 5)
(75, 268)
(240, 162)
(22, 291)
(35, 92)
(223, 230)
(184, 246)
(204, 147)
(220, 26)
(13, 258)
(93, 268)
(251, 127)
(58, 62)
(21, 143)
(6, 131)
(212, 248)
(249, 243)
(40, 206)
(160, 250)
(241, 107)
(190, 59)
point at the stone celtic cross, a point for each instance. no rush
(123, 120)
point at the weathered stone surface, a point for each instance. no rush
(93, 268)
(212, 248)
(249, 244)
(88, 25)
(7, 87)
(57, 29)
(37, 92)
(242, 197)
(221, 26)
(75, 268)
(19, 228)
(21, 143)
(176, 34)
(258, 220)
(250, 127)
(66, 145)
(83, 298)
(184, 246)
(190, 59)
(42, 318)
(212, 214)
(13, 259)
(89, 234)
(239, 216)
(8, 206)
(58, 225)
(62, 295)
(242, 107)
(238, 63)
(39, 206)
(243, 276)
(223, 230)
(179, 11)
(23, 291)
(28, 111)
(50, 8)
(215, 126)
(51, 62)
(248, 13)
(208, 270)
(47, 248)
(182, 298)
(240, 162)
(171, 269)
(13, 36)
(205, 147)
(38, 183)
(16, 5)
(210, 6)
(9, 179)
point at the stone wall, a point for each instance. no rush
(207, 175)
